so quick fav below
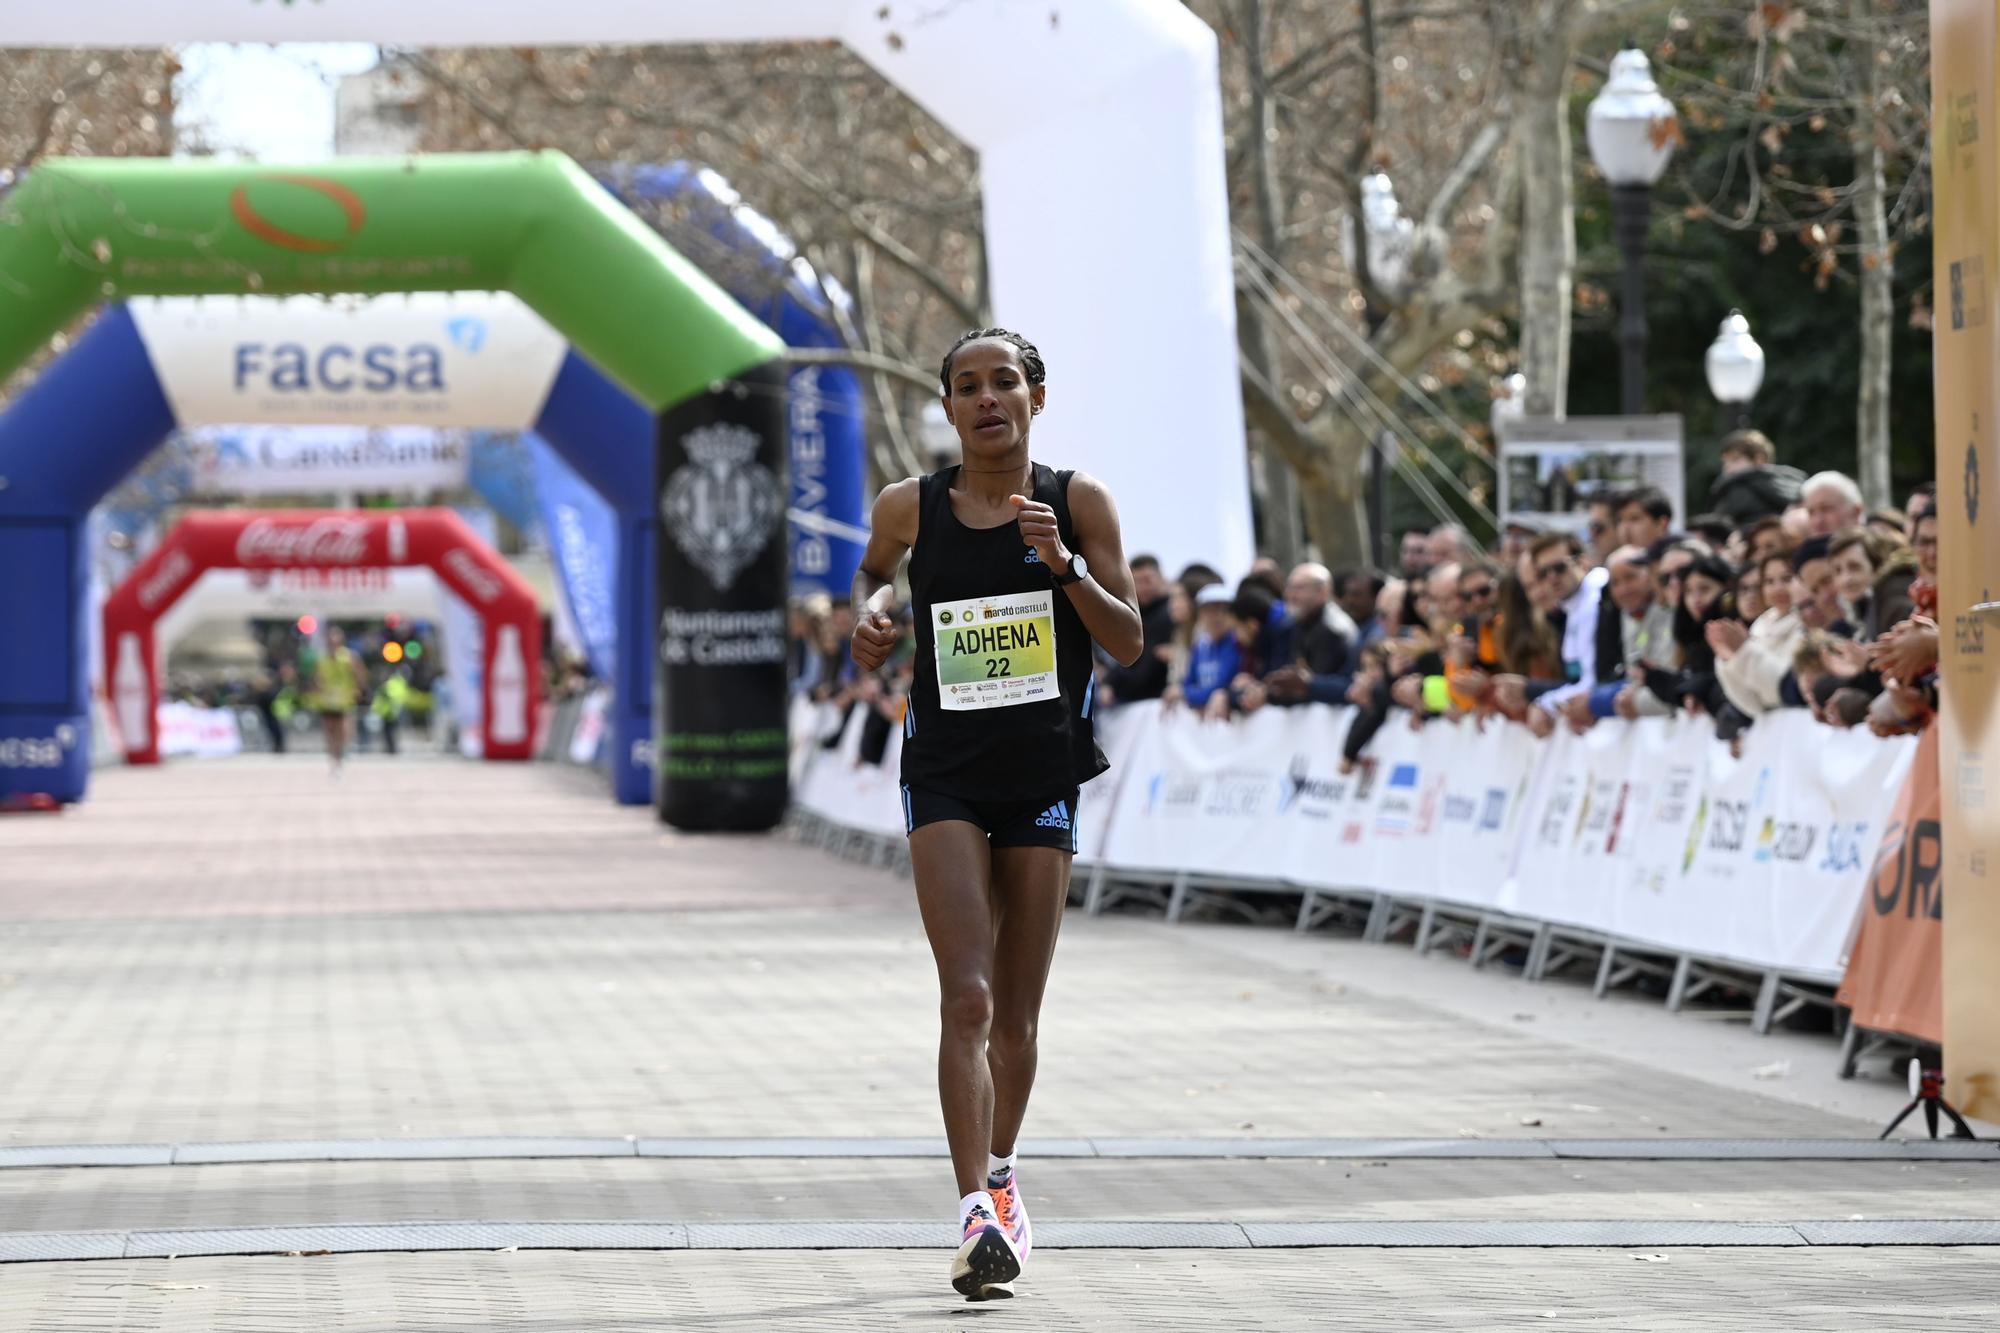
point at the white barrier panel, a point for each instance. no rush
(836, 785)
(206, 733)
(1647, 831)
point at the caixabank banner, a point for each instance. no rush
(1966, 263)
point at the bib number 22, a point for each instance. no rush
(996, 667)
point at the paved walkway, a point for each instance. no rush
(246, 952)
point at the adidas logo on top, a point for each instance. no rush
(1056, 816)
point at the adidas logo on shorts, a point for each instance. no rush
(1056, 816)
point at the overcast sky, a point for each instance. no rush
(273, 103)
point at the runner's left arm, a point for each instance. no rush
(1106, 601)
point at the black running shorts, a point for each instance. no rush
(1006, 823)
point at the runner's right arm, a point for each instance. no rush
(892, 531)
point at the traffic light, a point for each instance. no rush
(308, 624)
(392, 652)
(414, 649)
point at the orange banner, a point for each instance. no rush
(1895, 976)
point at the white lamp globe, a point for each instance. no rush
(1630, 124)
(1735, 363)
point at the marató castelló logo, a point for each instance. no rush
(254, 220)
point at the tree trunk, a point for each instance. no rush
(1878, 269)
(1543, 49)
(1338, 519)
(1282, 537)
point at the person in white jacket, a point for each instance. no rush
(1752, 666)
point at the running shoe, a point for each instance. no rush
(986, 1263)
(1010, 1210)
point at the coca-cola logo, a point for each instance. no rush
(162, 583)
(474, 575)
(324, 541)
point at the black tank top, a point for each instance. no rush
(1000, 725)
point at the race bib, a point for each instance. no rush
(995, 652)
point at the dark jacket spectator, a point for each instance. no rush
(1147, 677)
(1751, 484)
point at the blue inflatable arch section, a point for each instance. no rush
(96, 414)
(99, 410)
(746, 255)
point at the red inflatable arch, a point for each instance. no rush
(327, 539)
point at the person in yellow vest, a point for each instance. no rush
(391, 698)
(336, 690)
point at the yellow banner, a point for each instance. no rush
(1966, 258)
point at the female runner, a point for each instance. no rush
(1015, 568)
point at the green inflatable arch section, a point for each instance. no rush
(79, 231)
(76, 232)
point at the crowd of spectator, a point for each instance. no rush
(1786, 593)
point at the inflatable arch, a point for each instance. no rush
(75, 232)
(460, 360)
(413, 593)
(1101, 159)
(288, 539)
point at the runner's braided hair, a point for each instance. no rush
(1031, 359)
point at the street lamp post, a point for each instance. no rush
(1735, 365)
(1631, 129)
(1390, 236)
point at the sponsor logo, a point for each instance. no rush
(1968, 632)
(338, 368)
(1175, 794)
(38, 751)
(1618, 817)
(324, 541)
(1300, 785)
(1494, 812)
(1033, 557)
(1237, 795)
(1728, 825)
(722, 505)
(164, 582)
(944, 617)
(1694, 834)
(1968, 292)
(1398, 808)
(255, 219)
(1785, 840)
(466, 331)
(1555, 815)
(1844, 842)
(1971, 780)
(484, 585)
(1908, 872)
(1056, 816)
(1673, 803)
(1459, 809)
(812, 552)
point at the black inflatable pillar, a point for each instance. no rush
(719, 711)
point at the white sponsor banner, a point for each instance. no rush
(1649, 831)
(262, 460)
(283, 594)
(478, 360)
(206, 733)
